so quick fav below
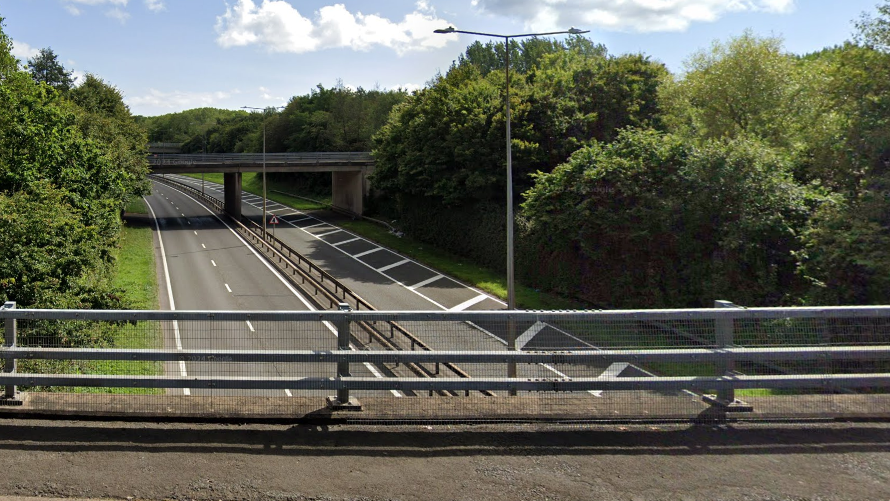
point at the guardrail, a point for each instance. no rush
(295, 352)
(308, 158)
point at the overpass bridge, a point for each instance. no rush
(349, 172)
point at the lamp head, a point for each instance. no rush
(449, 29)
(577, 31)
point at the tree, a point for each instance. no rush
(8, 63)
(875, 31)
(46, 68)
(651, 220)
(742, 87)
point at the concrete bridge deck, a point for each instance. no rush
(349, 171)
(253, 162)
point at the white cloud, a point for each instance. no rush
(279, 27)
(178, 100)
(155, 5)
(624, 15)
(23, 51)
(119, 14)
(266, 95)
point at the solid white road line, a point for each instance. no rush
(527, 336)
(314, 225)
(360, 254)
(177, 338)
(250, 326)
(390, 266)
(426, 282)
(347, 241)
(466, 304)
(328, 233)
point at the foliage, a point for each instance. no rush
(68, 164)
(742, 87)
(651, 220)
(445, 142)
(46, 68)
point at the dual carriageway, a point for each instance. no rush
(208, 265)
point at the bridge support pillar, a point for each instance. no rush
(232, 194)
(348, 190)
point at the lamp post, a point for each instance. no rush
(511, 292)
(264, 157)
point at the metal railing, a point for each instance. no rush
(625, 376)
(307, 158)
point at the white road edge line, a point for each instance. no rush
(177, 338)
(284, 281)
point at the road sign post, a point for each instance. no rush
(274, 222)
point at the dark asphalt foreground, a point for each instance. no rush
(119, 460)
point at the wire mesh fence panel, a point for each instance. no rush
(435, 366)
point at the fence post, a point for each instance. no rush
(342, 401)
(511, 345)
(725, 338)
(9, 341)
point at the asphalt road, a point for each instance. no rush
(210, 267)
(393, 282)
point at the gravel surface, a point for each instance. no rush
(120, 460)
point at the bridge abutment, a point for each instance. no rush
(232, 193)
(348, 190)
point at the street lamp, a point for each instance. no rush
(511, 292)
(264, 157)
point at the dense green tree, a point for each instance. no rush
(745, 86)
(67, 166)
(654, 221)
(46, 68)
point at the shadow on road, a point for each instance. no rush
(423, 442)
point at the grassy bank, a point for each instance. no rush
(135, 274)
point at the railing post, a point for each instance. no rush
(725, 338)
(511, 346)
(9, 341)
(342, 401)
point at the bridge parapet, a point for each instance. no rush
(248, 161)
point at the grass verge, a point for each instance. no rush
(135, 274)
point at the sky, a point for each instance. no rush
(167, 56)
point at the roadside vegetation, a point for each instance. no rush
(71, 161)
(755, 175)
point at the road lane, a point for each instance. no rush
(212, 268)
(389, 281)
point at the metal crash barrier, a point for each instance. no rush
(757, 363)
